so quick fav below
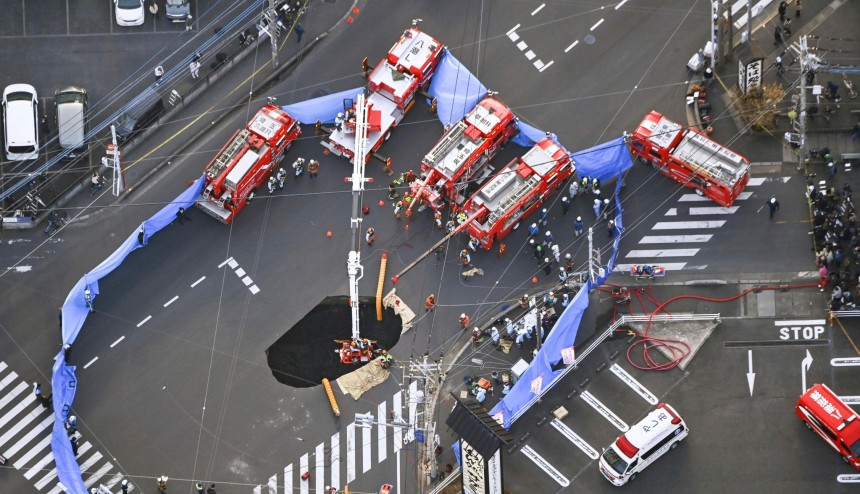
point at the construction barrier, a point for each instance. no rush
(331, 399)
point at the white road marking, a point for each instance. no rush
(530, 55)
(12, 394)
(800, 322)
(232, 263)
(756, 181)
(573, 437)
(25, 403)
(200, 280)
(672, 212)
(663, 253)
(303, 467)
(350, 452)
(538, 64)
(540, 7)
(254, 289)
(634, 384)
(273, 484)
(335, 460)
(713, 210)
(319, 472)
(382, 431)
(31, 434)
(247, 281)
(620, 4)
(513, 36)
(669, 266)
(605, 411)
(226, 261)
(675, 239)
(115, 343)
(91, 362)
(397, 407)
(141, 323)
(596, 24)
(288, 478)
(174, 299)
(522, 45)
(545, 466)
(848, 478)
(546, 66)
(571, 46)
(3, 366)
(48, 458)
(850, 400)
(743, 196)
(836, 362)
(688, 225)
(33, 451)
(240, 272)
(101, 472)
(366, 441)
(513, 29)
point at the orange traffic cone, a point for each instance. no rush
(534, 280)
(406, 228)
(381, 203)
(328, 234)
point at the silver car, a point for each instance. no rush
(177, 10)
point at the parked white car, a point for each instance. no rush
(21, 122)
(129, 12)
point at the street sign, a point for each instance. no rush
(537, 384)
(419, 435)
(568, 355)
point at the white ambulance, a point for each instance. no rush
(660, 431)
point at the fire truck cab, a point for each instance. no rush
(691, 158)
(516, 191)
(246, 161)
(829, 417)
(458, 159)
(391, 89)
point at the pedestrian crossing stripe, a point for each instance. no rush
(712, 210)
(26, 439)
(743, 196)
(688, 225)
(668, 266)
(662, 253)
(675, 239)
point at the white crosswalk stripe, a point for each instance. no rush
(663, 253)
(26, 428)
(675, 239)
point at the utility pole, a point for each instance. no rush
(273, 32)
(430, 374)
(713, 35)
(591, 270)
(749, 20)
(801, 120)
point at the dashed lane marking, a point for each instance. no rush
(620, 4)
(91, 362)
(596, 24)
(605, 411)
(545, 466)
(115, 343)
(571, 46)
(200, 280)
(145, 320)
(634, 384)
(573, 437)
(174, 299)
(540, 7)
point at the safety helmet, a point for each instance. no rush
(72, 419)
(550, 294)
(198, 486)
(124, 482)
(772, 200)
(597, 201)
(340, 114)
(370, 230)
(464, 252)
(543, 210)
(534, 225)
(564, 199)
(546, 259)
(462, 316)
(579, 218)
(606, 201)
(507, 319)
(532, 241)
(567, 256)
(548, 233)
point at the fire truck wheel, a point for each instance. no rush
(387, 135)
(517, 225)
(645, 161)
(699, 192)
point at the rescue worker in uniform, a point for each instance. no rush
(595, 184)
(161, 483)
(272, 184)
(461, 218)
(437, 219)
(299, 166)
(338, 121)
(370, 236)
(465, 260)
(385, 359)
(430, 302)
(392, 192)
(464, 320)
(281, 176)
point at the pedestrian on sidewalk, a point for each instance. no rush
(189, 22)
(578, 226)
(299, 32)
(773, 204)
(153, 9)
(159, 73)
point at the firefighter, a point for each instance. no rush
(465, 260)
(461, 217)
(430, 302)
(544, 216)
(494, 334)
(473, 244)
(450, 226)
(370, 236)
(547, 239)
(161, 483)
(584, 183)
(410, 177)
(299, 166)
(562, 276)
(338, 121)
(464, 320)
(556, 253)
(595, 184)
(476, 336)
(524, 301)
(392, 192)
(385, 359)
(437, 219)
(510, 328)
(272, 184)
(574, 189)
(398, 207)
(534, 231)
(281, 176)
(88, 298)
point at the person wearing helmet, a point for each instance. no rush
(533, 230)
(123, 486)
(370, 236)
(578, 226)
(465, 259)
(548, 239)
(597, 207)
(568, 262)
(199, 488)
(773, 204)
(338, 121)
(464, 320)
(544, 216)
(510, 328)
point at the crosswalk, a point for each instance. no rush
(354, 452)
(26, 440)
(692, 228)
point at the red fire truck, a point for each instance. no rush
(691, 159)
(246, 161)
(460, 156)
(828, 416)
(392, 87)
(516, 191)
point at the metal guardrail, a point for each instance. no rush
(845, 313)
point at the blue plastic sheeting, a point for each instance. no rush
(529, 135)
(324, 108)
(563, 334)
(455, 88)
(456, 448)
(603, 161)
(63, 380)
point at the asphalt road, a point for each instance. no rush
(142, 401)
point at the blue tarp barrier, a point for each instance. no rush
(455, 88)
(529, 135)
(324, 108)
(603, 161)
(563, 334)
(63, 380)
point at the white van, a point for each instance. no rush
(660, 431)
(71, 105)
(21, 122)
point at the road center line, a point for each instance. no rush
(174, 299)
(115, 343)
(225, 262)
(141, 323)
(545, 66)
(571, 46)
(198, 281)
(596, 24)
(622, 2)
(91, 362)
(509, 32)
(540, 7)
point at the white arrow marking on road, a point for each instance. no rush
(751, 374)
(804, 366)
(545, 466)
(605, 411)
(848, 478)
(634, 384)
(845, 362)
(573, 437)
(850, 400)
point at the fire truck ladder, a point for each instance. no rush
(353, 264)
(524, 188)
(446, 143)
(226, 157)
